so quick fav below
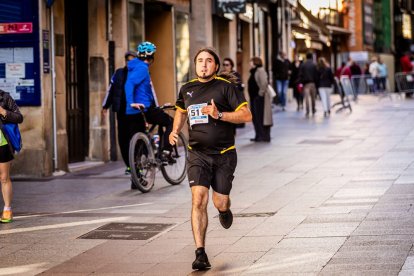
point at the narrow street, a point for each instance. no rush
(327, 196)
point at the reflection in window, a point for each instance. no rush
(182, 48)
(135, 25)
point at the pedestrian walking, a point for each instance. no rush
(382, 75)
(294, 84)
(407, 66)
(9, 113)
(141, 97)
(356, 74)
(326, 83)
(260, 101)
(374, 72)
(405, 62)
(212, 106)
(281, 71)
(115, 99)
(308, 76)
(339, 70)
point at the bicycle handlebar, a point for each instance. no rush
(141, 107)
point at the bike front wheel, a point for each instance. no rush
(142, 162)
(176, 169)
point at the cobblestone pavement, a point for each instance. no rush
(328, 196)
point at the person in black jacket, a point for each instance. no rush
(308, 76)
(293, 82)
(9, 113)
(281, 69)
(116, 99)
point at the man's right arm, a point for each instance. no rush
(180, 118)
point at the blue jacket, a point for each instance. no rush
(138, 87)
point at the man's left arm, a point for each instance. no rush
(239, 116)
(243, 115)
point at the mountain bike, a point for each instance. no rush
(146, 157)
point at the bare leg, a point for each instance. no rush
(6, 185)
(199, 219)
(221, 202)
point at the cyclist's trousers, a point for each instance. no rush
(162, 119)
(128, 125)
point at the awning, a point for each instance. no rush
(338, 30)
(309, 21)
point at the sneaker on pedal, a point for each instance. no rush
(166, 158)
(128, 171)
(201, 262)
(226, 219)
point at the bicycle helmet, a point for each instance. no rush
(146, 49)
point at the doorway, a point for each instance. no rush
(77, 88)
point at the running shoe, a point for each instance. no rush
(127, 171)
(7, 216)
(226, 219)
(201, 262)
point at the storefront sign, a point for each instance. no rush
(368, 22)
(16, 28)
(352, 24)
(406, 26)
(230, 6)
(359, 56)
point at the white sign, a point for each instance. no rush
(24, 55)
(8, 87)
(15, 70)
(6, 55)
(359, 56)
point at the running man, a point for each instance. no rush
(213, 106)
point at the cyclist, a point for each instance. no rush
(140, 92)
(212, 105)
(115, 98)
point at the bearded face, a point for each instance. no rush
(205, 66)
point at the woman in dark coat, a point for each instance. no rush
(260, 101)
(9, 113)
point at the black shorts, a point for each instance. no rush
(215, 170)
(5, 154)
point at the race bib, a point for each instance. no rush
(195, 116)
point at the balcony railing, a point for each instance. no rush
(331, 17)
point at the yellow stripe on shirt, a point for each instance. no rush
(241, 105)
(229, 148)
(182, 110)
(223, 79)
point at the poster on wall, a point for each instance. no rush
(17, 75)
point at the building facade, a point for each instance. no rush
(59, 63)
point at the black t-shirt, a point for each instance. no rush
(207, 134)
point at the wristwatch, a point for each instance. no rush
(219, 116)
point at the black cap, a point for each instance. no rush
(130, 53)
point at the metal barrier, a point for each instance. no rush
(405, 82)
(364, 84)
(345, 89)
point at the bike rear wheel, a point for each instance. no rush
(142, 162)
(176, 169)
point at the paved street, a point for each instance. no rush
(326, 197)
